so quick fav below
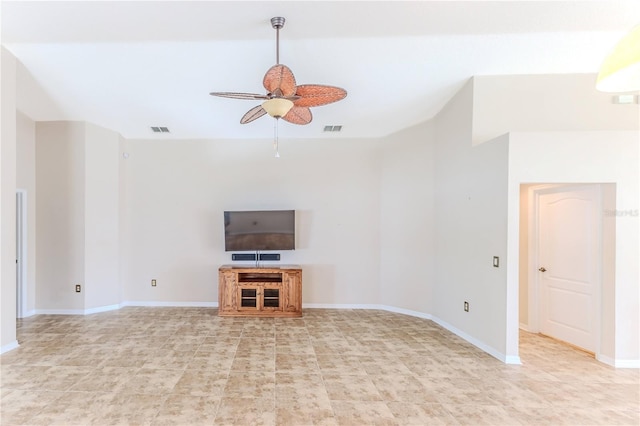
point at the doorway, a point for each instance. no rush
(567, 262)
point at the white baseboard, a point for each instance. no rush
(121, 305)
(627, 363)
(170, 304)
(606, 360)
(512, 359)
(59, 312)
(9, 347)
(507, 359)
(618, 363)
(366, 306)
(407, 312)
(76, 311)
(338, 306)
(30, 313)
(102, 309)
(524, 327)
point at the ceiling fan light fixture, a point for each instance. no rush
(285, 99)
(277, 107)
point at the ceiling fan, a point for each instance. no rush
(285, 99)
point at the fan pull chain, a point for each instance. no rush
(275, 138)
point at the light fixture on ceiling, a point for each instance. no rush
(620, 71)
(285, 99)
(277, 107)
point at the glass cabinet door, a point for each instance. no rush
(249, 298)
(259, 298)
(271, 298)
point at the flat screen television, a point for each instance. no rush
(259, 230)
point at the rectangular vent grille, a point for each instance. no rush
(332, 128)
(160, 129)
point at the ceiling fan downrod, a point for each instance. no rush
(277, 23)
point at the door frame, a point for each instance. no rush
(533, 277)
(21, 253)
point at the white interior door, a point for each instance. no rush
(569, 244)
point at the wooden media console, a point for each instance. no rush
(274, 291)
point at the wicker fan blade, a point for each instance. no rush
(237, 95)
(252, 114)
(298, 115)
(312, 95)
(280, 81)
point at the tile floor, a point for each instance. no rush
(186, 366)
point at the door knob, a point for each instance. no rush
(542, 269)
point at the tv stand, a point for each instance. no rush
(274, 291)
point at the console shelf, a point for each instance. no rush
(260, 292)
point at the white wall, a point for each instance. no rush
(407, 219)
(8, 201)
(608, 291)
(123, 252)
(523, 259)
(471, 219)
(101, 220)
(26, 181)
(587, 157)
(177, 191)
(77, 217)
(60, 176)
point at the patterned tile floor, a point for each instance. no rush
(186, 366)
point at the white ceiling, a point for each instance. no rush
(131, 65)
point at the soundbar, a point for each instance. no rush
(243, 256)
(269, 256)
(252, 256)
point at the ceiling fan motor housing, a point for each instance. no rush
(277, 22)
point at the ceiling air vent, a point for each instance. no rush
(160, 129)
(332, 128)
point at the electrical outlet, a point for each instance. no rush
(496, 262)
(153, 283)
(78, 288)
(466, 306)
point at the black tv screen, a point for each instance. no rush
(259, 230)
